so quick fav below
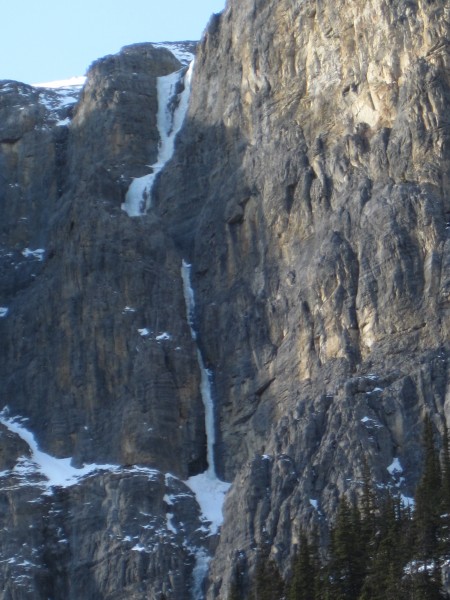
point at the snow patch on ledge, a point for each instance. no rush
(38, 254)
(128, 309)
(408, 502)
(178, 50)
(139, 548)
(163, 336)
(395, 467)
(210, 494)
(57, 471)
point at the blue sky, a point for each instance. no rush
(46, 40)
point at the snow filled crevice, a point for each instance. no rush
(56, 472)
(172, 108)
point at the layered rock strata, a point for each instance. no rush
(309, 190)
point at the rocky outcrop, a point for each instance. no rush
(114, 133)
(96, 351)
(309, 190)
(318, 234)
(133, 534)
(110, 284)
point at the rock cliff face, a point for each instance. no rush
(96, 352)
(319, 236)
(309, 190)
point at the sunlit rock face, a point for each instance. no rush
(309, 193)
(318, 237)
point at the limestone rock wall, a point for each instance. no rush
(309, 189)
(94, 387)
(319, 239)
(95, 354)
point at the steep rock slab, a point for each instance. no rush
(114, 132)
(313, 172)
(97, 355)
(33, 140)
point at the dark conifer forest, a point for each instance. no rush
(379, 548)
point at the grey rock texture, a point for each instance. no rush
(114, 134)
(310, 191)
(319, 135)
(105, 537)
(95, 349)
(33, 141)
(98, 275)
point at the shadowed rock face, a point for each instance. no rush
(114, 133)
(309, 189)
(93, 387)
(96, 352)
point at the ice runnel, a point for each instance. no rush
(205, 385)
(172, 108)
(209, 490)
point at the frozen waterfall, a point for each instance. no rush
(172, 108)
(209, 490)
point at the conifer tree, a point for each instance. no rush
(386, 566)
(268, 583)
(304, 573)
(428, 498)
(346, 569)
(368, 502)
(424, 578)
(445, 510)
(423, 584)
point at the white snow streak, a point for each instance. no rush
(169, 121)
(208, 489)
(169, 525)
(57, 471)
(3, 311)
